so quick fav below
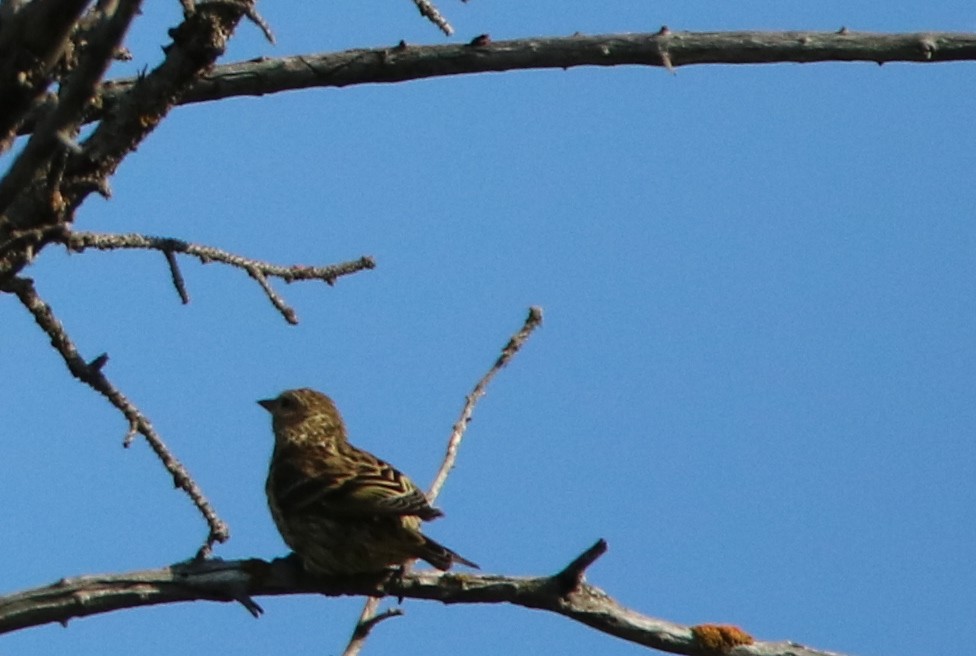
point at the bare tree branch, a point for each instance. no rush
(178, 281)
(365, 625)
(533, 321)
(368, 617)
(232, 580)
(39, 33)
(76, 92)
(661, 49)
(49, 181)
(257, 269)
(91, 374)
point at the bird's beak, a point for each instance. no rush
(267, 404)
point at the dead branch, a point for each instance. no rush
(76, 93)
(663, 49)
(368, 617)
(533, 321)
(257, 269)
(91, 374)
(42, 28)
(233, 580)
(52, 176)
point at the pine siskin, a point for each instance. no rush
(342, 510)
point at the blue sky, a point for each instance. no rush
(756, 378)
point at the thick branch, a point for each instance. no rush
(75, 94)
(664, 49)
(234, 580)
(34, 39)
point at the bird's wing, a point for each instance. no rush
(362, 485)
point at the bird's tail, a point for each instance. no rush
(440, 556)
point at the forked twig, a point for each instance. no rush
(91, 374)
(257, 269)
(368, 618)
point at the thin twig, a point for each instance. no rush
(364, 625)
(368, 615)
(177, 275)
(430, 12)
(363, 628)
(91, 374)
(508, 352)
(257, 269)
(286, 310)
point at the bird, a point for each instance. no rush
(342, 510)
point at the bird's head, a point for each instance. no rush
(304, 416)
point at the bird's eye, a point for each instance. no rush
(286, 403)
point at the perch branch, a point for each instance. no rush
(229, 581)
(79, 241)
(91, 374)
(367, 618)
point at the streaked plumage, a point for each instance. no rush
(341, 509)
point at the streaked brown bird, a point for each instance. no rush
(342, 510)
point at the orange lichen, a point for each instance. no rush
(720, 638)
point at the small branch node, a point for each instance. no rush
(286, 311)
(533, 321)
(130, 434)
(571, 576)
(176, 275)
(251, 606)
(359, 633)
(363, 628)
(98, 363)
